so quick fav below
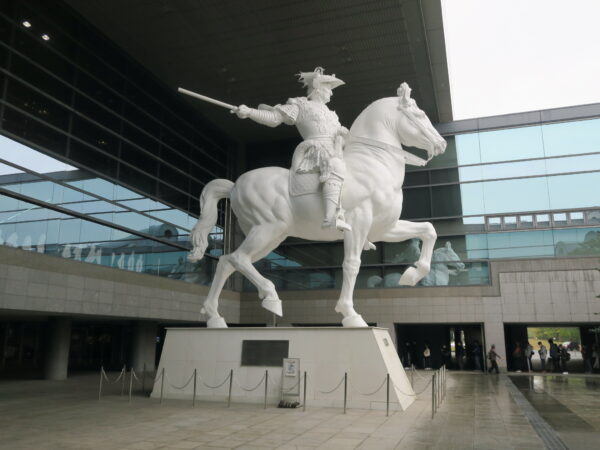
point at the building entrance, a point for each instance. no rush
(458, 346)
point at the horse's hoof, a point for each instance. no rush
(216, 322)
(412, 276)
(354, 322)
(273, 305)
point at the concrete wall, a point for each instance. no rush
(522, 291)
(33, 282)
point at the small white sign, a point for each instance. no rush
(290, 367)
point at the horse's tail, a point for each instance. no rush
(209, 198)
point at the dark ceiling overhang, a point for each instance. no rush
(248, 52)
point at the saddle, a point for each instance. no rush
(304, 183)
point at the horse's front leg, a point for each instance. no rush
(354, 241)
(404, 230)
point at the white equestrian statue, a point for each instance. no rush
(371, 198)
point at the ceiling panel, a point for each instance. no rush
(249, 51)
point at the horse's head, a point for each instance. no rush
(413, 127)
(446, 254)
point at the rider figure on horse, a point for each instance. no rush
(321, 150)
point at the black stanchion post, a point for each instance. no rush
(100, 387)
(144, 380)
(387, 396)
(130, 383)
(123, 372)
(230, 386)
(194, 397)
(304, 402)
(433, 396)
(345, 389)
(266, 386)
(162, 384)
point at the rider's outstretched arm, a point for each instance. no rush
(270, 118)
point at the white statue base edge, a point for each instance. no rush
(325, 353)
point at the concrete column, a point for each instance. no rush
(144, 346)
(392, 330)
(494, 334)
(57, 352)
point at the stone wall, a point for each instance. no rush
(33, 282)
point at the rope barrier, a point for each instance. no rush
(254, 388)
(184, 386)
(218, 386)
(375, 391)
(117, 379)
(158, 377)
(334, 389)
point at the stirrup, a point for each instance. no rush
(339, 224)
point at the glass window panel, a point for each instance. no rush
(173, 216)
(510, 222)
(573, 164)
(471, 195)
(416, 178)
(69, 231)
(577, 242)
(36, 104)
(95, 136)
(444, 176)
(477, 246)
(34, 131)
(521, 244)
(470, 173)
(100, 187)
(22, 155)
(494, 223)
(572, 137)
(542, 220)
(576, 218)
(132, 220)
(416, 204)
(467, 148)
(592, 216)
(574, 191)
(528, 194)
(514, 143)
(526, 221)
(93, 232)
(446, 201)
(559, 219)
(517, 169)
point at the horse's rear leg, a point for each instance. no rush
(260, 241)
(223, 271)
(404, 230)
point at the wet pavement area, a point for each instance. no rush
(570, 405)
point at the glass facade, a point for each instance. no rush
(99, 161)
(525, 192)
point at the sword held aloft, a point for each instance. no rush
(207, 99)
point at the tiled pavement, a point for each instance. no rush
(478, 412)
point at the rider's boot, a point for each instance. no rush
(332, 189)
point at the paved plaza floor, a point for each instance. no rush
(480, 411)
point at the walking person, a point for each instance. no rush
(554, 356)
(427, 358)
(565, 356)
(529, 354)
(543, 352)
(586, 355)
(493, 356)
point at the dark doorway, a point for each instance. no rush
(459, 346)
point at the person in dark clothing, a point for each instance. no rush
(493, 356)
(554, 356)
(460, 356)
(446, 356)
(565, 356)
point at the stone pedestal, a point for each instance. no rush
(367, 355)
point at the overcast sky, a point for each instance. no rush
(507, 56)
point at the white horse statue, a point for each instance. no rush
(445, 262)
(371, 197)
